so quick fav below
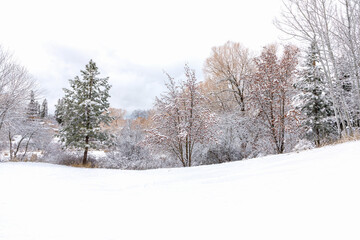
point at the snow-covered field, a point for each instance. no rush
(308, 195)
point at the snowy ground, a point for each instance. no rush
(308, 195)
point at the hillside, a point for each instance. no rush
(307, 195)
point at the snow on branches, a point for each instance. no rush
(182, 119)
(83, 109)
(271, 88)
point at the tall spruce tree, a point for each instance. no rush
(59, 111)
(44, 109)
(38, 107)
(315, 102)
(85, 109)
(32, 109)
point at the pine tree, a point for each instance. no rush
(32, 110)
(44, 109)
(38, 109)
(85, 109)
(315, 102)
(59, 111)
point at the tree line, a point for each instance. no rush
(248, 105)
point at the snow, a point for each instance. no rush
(4, 156)
(16, 139)
(308, 195)
(97, 154)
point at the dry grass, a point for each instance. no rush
(80, 165)
(31, 158)
(14, 160)
(76, 161)
(344, 139)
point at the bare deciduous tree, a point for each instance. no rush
(181, 119)
(314, 21)
(228, 68)
(15, 86)
(347, 32)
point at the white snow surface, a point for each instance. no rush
(313, 194)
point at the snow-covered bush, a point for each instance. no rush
(218, 154)
(120, 160)
(303, 144)
(127, 151)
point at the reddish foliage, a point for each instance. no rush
(271, 90)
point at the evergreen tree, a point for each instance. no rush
(59, 110)
(44, 109)
(38, 109)
(32, 110)
(315, 102)
(85, 109)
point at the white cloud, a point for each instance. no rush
(131, 41)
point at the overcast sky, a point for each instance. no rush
(132, 42)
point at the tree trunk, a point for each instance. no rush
(87, 125)
(10, 146)
(27, 145)
(317, 137)
(86, 150)
(18, 147)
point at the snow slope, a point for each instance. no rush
(309, 195)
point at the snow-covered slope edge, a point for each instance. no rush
(307, 195)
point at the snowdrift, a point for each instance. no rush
(308, 195)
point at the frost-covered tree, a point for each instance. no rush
(24, 136)
(314, 99)
(59, 110)
(32, 110)
(44, 109)
(237, 138)
(127, 152)
(335, 27)
(139, 114)
(271, 92)
(38, 106)
(85, 109)
(181, 119)
(347, 87)
(15, 86)
(228, 69)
